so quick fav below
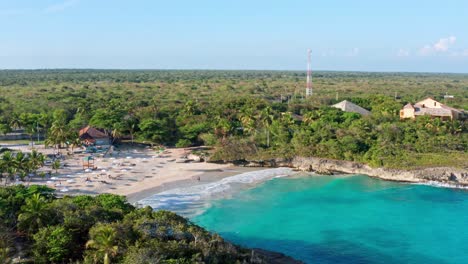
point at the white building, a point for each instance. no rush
(348, 106)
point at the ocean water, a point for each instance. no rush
(344, 219)
(193, 200)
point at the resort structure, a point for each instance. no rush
(348, 106)
(432, 108)
(93, 136)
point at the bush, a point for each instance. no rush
(209, 139)
(183, 143)
(52, 244)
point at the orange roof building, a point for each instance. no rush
(93, 136)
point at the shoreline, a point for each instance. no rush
(128, 172)
(207, 176)
(444, 176)
(138, 172)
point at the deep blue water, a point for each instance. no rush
(346, 219)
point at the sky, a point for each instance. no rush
(357, 35)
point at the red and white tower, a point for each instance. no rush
(309, 75)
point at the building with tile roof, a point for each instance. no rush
(348, 106)
(432, 108)
(93, 136)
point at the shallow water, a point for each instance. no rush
(194, 199)
(346, 219)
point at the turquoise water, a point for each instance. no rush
(353, 219)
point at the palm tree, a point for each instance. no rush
(56, 165)
(455, 127)
(223, 128)
(5, 129)
(36, 161)
(15, 121)
(11, 173)
(248, 123)
(22, 164)
(308, 118)
(104, 243)
(58, 135)
(266, 117)
(33, 213)
(312, 116)
(8, 164)
(31, 129)
(45, 121)
(116, 133)
(75, 143)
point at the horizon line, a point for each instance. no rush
(221, 69)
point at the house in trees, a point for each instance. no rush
(432, 108)
(348, 106)
(93, 136)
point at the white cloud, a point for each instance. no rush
(441, 46)
(59, 7)
(444, 43)
(426, 50)
(353, 53)
(465, 53)
(403, 53)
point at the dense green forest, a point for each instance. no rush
(38, 228)
(244, 114)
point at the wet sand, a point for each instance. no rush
(206, 176)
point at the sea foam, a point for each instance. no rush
(194, 199)
(442, 185)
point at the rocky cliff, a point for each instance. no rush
(446, 175)
(452, 176)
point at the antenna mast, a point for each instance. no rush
(309, 75)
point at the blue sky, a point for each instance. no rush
(358, 35)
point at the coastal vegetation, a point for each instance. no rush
(255, 115)
(36, 227)
(21, 165)
(242, 115)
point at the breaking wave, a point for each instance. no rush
(442, 185)
(193, 200)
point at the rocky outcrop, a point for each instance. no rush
(274, 257)
(195, 158)
(453, 176)
(273, 163)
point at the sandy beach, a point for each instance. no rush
(135, 172)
